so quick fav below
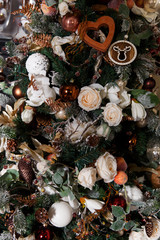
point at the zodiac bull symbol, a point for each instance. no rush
(122, 53)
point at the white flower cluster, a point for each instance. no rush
(105, 167)
(90, 98)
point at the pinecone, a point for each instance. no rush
(41, 215)
(149, 227)
(11, 145)
(26, 171)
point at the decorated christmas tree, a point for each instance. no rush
(79, 122)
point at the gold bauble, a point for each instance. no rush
(152, 6)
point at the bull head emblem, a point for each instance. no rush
(122, 53)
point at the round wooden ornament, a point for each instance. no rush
(122, 52)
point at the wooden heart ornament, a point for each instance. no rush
(101, 22)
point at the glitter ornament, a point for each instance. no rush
(37, 64)
(43, 233)
(149, 84)
(153, 149)
(117, 201)
(17, 93)
(70, 22)
(60, 214)
(69, 92)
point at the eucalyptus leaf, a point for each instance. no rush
(50, 3)
(128, 225)
(125, 25)
(124, 10)
(117, 225)
(118, 211)
(134, 38)
(57, 178)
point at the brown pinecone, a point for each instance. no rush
(149, 227)
(41, 215)
(26, 171)
(11, 145)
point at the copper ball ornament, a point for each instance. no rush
(17, 93)
(69, 92)
(70, 22)
(149, 83)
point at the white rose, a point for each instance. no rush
(27, 115)
(137, 235)
(125, 99)
(138, 111)
(112, 114)
(103, 130)
(63, 8)
(87, 177)
(134, 193)
(42, 167)
(39, 94)
(93, 204)
(107, 167)
(89, 99)
(112, 93)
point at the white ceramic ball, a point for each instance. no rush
(37, 64)
(60, 214)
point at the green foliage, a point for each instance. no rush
(84, 9)
(118, 211)
(46, 200)
(8, 132)
(11, 48)
(144, 96)
(30, 223)
(44, 108)
(20, 223)
(108, 75)
(117, 225)
(86, 158)
(4, 198)
(141, 145)
(5, 236)
(50, 3)
(9, 177)
(124, 10)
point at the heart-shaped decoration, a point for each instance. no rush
(102, 21)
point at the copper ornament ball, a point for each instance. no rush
(149, 84)
(69, 92)
(17, 93)
(70, 22)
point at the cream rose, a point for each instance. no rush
(63, 8)
(106, 167)
(89, 99)
(87, 177)
(27, 114)
(137, 235)
(112, 114)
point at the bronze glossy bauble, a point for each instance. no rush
(69, 92)
(149, 84)
(17, 93)
(141, 123)
(70, 22)
(155, 179)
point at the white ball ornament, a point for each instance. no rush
(60, 214)
(37, 64)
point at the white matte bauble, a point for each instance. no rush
(60, 214)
